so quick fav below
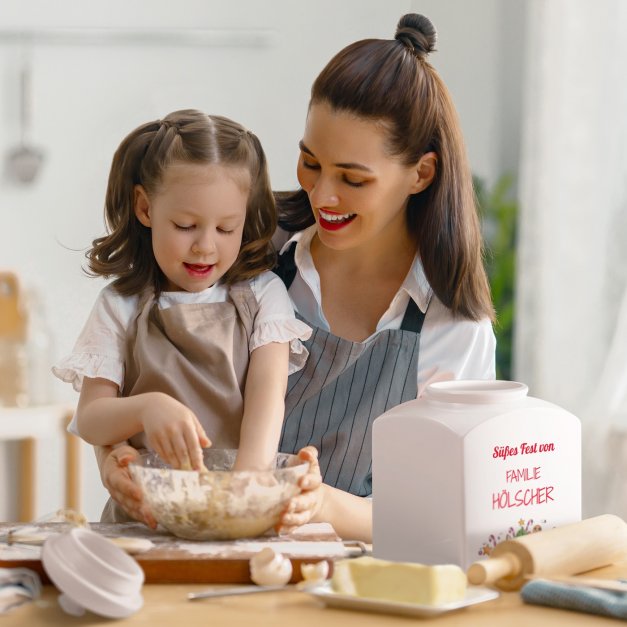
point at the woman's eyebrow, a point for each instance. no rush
(345, 166)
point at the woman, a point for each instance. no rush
(385, 264)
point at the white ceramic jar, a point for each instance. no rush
(467, 465)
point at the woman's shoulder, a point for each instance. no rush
(439, 316)
(458, 347)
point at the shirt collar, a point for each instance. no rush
(415, 284)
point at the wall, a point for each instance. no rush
(88, 96)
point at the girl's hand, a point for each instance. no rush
(173, 432)
(305, 506)
(117, 479)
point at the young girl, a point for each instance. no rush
(189, 345)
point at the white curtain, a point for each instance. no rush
(571, 330)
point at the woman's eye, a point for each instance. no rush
(310, 166)
(353, 183)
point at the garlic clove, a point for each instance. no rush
(314, 573)
(268, 568)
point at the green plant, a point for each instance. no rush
(498, 209)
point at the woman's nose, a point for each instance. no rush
(323, 193)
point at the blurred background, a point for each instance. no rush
(539, 86)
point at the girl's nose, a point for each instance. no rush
(204, 245)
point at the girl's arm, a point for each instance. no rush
(264, 406)
(350, 515)
(172, 430)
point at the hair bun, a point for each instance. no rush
(417, 33)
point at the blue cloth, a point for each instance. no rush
(17, 586)
(576, 598)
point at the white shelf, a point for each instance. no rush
(41, 421)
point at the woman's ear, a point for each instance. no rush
(425, 171)
(141, 205)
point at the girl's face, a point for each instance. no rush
(358, 192)
(197, 218)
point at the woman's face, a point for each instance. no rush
(358, 192)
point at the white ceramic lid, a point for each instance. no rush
(92, 573)
(476, 391)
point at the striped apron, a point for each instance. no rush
(332, 402)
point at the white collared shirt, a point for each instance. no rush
(450, 348)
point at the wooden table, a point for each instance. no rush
(168, 605)
(27, 424)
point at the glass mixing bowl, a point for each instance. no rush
(220, 504)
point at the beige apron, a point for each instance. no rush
(198, 354)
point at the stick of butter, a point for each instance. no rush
(399, 581)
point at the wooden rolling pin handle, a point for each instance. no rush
(492, 569)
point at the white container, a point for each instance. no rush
(468, 465)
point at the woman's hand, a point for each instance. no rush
(305, 506)
(117, 479)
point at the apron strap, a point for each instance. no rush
(286, 266)
(413, 318)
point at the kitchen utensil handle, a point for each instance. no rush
(232, 591)
(490, 570)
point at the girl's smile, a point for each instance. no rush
(198, 271)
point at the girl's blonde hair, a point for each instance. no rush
(186, 136)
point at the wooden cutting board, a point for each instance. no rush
(174, 560)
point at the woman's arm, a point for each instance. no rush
(350, 515)
(172, 430)
(264, 406)
(113, 463)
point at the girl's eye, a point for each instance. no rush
(226, 231)
(181, 227)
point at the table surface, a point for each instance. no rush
(168, 605)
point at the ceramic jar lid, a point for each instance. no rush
(93, 574)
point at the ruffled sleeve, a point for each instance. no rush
(276, 322)
(284, 330)
(100, 348)
(74, 367)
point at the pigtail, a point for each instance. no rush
(126, 251)
(257, 252)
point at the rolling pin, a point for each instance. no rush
(566, 550)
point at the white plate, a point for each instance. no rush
(324, 592)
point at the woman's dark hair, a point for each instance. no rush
(390, 81)
(187, 136)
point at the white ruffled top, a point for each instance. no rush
(100, 348)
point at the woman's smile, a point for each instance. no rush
(332, 221)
